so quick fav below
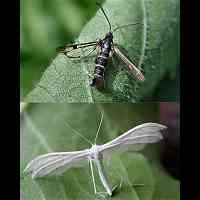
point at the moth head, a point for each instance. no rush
(109, 36)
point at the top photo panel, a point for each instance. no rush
(87, 51)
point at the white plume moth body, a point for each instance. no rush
(105, 47)
(56, 163)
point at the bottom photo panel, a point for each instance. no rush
(99, 151)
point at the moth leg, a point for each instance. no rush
(89, 74)
(101, 194)
(92, 173)
(121, 181)
(118, 186)
(138, 184)
(111, 53)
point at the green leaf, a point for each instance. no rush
(153, 46)
(43, 130)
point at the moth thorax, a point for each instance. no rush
(95, 153)
(109, 36)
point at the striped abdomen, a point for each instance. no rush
(101, 62)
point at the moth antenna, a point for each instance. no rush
(77, 133)
(98, 128)
(126, 25)
(98, 4)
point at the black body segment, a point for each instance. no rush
(102, 60)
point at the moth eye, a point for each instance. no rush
(75, 46)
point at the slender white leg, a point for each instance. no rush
(103, 176)
(93, 179)
(101, 194)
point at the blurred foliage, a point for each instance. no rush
(45, 26)
(43, 129)
(170, 115)
(167, 87)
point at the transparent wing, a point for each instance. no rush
(78, 50)
(134, 139)
(130, 66)
(55, 163)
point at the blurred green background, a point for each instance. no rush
(45, 25)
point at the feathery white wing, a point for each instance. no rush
(136, 138)
(55, 163)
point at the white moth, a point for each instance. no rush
(54, 163)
